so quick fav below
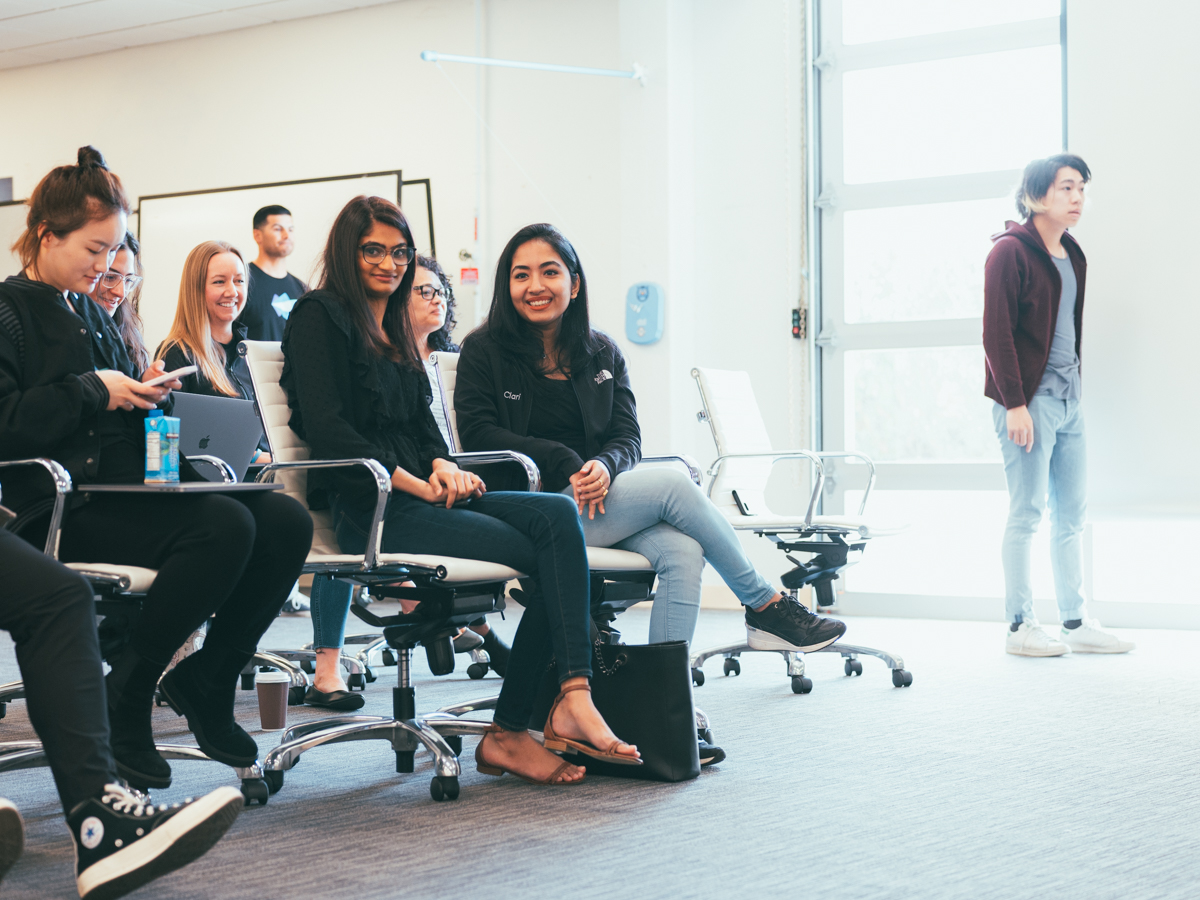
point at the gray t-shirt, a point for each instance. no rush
(1061, 378)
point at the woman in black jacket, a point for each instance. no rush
(69, 392)
(206, 333)
(357, 389)
(537, 379)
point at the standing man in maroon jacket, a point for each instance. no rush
(1032, 323)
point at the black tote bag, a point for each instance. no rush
(644, 692)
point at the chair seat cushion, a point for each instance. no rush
(132, 579)
(837, 524)
(458, 571)
(605, 559)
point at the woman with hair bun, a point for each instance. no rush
(69, 391)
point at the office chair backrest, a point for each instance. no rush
(265, 361)
(445, 376)
(737, 427)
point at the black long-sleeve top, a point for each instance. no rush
(348, 403)
(494, 396)
(52, 402)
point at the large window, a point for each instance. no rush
(928, 111)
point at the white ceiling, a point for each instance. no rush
(39, 31)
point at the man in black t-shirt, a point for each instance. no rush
(273, 290)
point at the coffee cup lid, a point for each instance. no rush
(272, 677)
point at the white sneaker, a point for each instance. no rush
(1030, 640)
(1091, 638)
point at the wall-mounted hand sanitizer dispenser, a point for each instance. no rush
(644, 311)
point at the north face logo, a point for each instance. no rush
(604, 376)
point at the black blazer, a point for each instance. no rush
(348, 403)
(494, 400)
(52, 402)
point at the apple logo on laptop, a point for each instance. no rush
(204, 442)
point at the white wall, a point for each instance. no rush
(1134, 86)
(694, 181)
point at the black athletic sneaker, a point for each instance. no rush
(122, 841)
(710, 754)
(12, 836)
(788, 625)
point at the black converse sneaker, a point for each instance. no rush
(122, 841)
(12, 836)
(788, 625)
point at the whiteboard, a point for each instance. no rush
(172, 225)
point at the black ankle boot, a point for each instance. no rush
(202, 688)
(497, 651)
(130, 690)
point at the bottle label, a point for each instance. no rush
(153, 452)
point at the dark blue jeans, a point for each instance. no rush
(538, 534)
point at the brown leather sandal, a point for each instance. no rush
(560, 744)
(486, 768)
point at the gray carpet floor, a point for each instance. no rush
(991, 777)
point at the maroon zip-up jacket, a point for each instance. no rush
(1021, 294)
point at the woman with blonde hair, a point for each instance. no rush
(212, 294)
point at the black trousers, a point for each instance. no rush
(48, 610)
(235, 556)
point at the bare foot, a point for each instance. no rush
(576, 717)
(520, 754)
(328, 675)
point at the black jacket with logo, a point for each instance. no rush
(52, 402)
(493, 400)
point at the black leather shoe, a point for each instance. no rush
(341, 700)
(130, 690)
(710, 754)
(209, 718)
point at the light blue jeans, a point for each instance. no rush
(1056, 469)
(660, 513)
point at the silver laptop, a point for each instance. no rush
(225, 427)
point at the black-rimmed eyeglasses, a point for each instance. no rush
(427, 292)
(374, 253)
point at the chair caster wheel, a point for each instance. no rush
(369, 674)
(3, 709)
(255, 790)
(853, 667)
(247, 681)
(274, 780)
(296, 695)
(389, 658)
(307, 667)
(733, 667)
(901, 678)
(698, 677)
(475, 671)
(356, 682)
(454, 741)
(444, 787)
(801, 685)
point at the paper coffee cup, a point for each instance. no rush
(273, 699)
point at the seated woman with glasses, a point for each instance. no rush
(431, 318)
(117, 294)
(357, 388)
(69, 393)
(205, 333)
(538, 379)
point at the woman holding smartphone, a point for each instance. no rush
(357, 388)
(68, 391)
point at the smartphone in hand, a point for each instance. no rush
(171, 376)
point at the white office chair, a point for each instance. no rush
(119, 591)
(738, 488)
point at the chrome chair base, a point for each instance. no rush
(795, 663)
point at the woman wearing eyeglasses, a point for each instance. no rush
(357, 388)
(117, 294)
(205, 333)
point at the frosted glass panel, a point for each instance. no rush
(919, 262)
(919, 405)
(884, 20)
(965, 526)
(981, 113)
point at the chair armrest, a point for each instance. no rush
(486, 457)
(62, 487)
(383, 485)
(693, 467)
(835, 454)
(774, 457)
(228, 476)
